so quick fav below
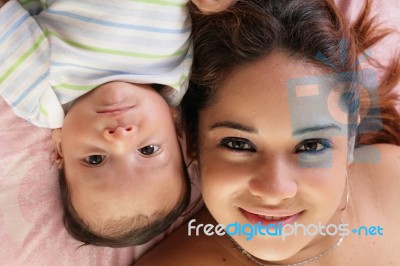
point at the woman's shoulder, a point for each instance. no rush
(177, 249)
(379, 161)
(374, 180)
(375, 176)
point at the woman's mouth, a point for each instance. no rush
(271, 218)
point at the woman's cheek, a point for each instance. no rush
(220, 175)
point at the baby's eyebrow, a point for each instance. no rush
(233, 125)
(316, 128)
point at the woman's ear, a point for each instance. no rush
(56, 137)
(352, 142)
(350, 150)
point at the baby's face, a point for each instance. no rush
(121, 154)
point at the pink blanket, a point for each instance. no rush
(388, 15)
(31, 230)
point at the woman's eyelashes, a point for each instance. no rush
(308, 146)
(313, 146)
(237, 144)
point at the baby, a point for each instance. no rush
(106, 76)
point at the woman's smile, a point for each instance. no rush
(267, 218)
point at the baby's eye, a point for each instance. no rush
(237, 144)
(149, 149)
(95, 159)
(313, 146)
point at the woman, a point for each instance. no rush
(272, 113)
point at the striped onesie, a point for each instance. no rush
(61, 49)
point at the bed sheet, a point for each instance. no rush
(388, 16)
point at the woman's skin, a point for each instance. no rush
(251, 162)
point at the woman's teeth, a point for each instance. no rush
(272, 218)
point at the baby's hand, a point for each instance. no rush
(212, 6)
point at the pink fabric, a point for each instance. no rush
(31, 229)
(388, 16)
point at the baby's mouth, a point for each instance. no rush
(114, 110)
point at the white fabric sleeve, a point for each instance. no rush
(24, 68)
(34, 7)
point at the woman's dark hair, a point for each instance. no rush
(309, 30)
(125, 232)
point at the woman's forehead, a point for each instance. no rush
(280, 86)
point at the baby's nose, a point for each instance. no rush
(119, 132)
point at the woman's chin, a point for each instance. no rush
(277, 250)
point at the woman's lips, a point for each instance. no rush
(270, 218)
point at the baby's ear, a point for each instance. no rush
(56, 137)
(190, 148)
(174, 112)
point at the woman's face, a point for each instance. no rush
(273, 148)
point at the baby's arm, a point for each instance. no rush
(24, 68)
(212, 6)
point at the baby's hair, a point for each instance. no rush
(126, 231)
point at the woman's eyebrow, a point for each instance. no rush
(233, 125)
(317, 128)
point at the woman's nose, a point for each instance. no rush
(273, 182)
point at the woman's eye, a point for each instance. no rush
(237, 144)
(95, 159)
(313, 146)
(148, 150)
